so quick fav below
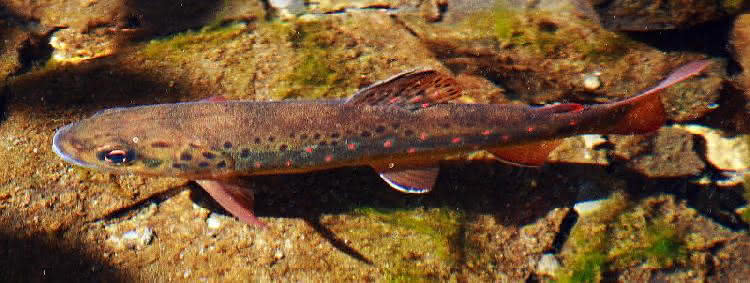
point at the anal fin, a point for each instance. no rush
(411, 180)
(235, 199)
(529, 154)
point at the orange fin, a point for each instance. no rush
(645, 112)
(412, 90)
(530, 154)
(235, 199)
(411, 181)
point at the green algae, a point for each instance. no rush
(315, 72)
(175, 46)
(544, 33)
(435, 234)
(623, 237)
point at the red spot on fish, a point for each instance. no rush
(425, 105)
(288, 163)
(258, 164)
(530, 129)
(394, 100)
(572, 123)
(416, 99)
(388, 144)
(486, 132)
(456, 140)
(411, 150)
(308, 149)
(351, 146)
(505, 138)
(423, 136)
(329, 158)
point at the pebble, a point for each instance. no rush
(548, 265)
(588, 207)
(592, 81)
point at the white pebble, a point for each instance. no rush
(213, 222)
(592, 81)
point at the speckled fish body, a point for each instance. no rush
(219, 139)
(402, 127)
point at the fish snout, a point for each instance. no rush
(63, 146)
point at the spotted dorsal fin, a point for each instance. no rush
(412, 90)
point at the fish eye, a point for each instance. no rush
(116, 156)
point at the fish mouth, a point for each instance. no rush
(57, 141)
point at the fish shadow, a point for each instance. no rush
(513, 196)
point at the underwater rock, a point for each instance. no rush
(583, 149)
(657, 237)
(645, 15)
(546, 53)
(741, 45)
(71, 46)
(548, 265)
(724, 152)
(733, 261)
(670, 152)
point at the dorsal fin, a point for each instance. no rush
(412, 90)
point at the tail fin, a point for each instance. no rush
(645, 113)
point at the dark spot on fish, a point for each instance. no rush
(408, 132)
(334, 143)
(379, 129)
(221, 164)
(245, 153)
(291, 135)
(303, 136)
(257, 140)
(316, 136)
(203, 164)
(271, 139)
(152, 163)
(194, 145)
(365, 134)
(283, 147)
(348, 132)
(160, 144)
(395, 125)
(208, 155)
(186, 156)
(179, 165)
(227, 145)
(335, 135)
(323, 143)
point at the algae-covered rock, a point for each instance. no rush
(547, 53)
(637, 242)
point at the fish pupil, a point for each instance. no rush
(116, 157)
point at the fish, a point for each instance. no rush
(402, 127)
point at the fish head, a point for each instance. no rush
(121, 140)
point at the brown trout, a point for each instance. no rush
(402, 127)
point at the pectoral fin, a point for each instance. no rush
(530, 154)
(235, 199)
(412, 180)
